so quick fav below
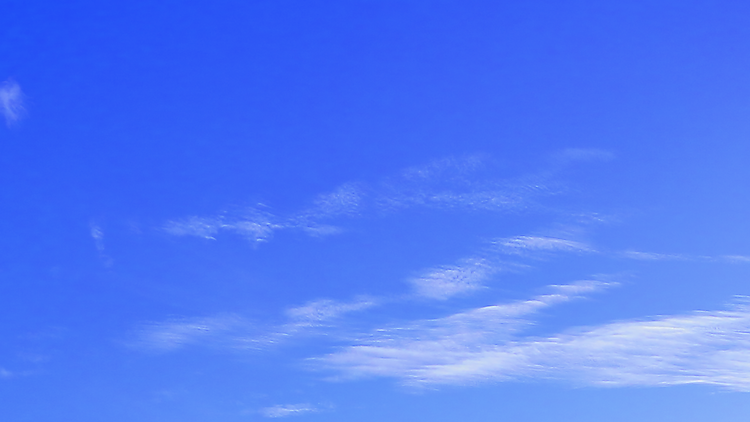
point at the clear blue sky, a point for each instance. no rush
(374, 211)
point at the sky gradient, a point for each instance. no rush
(374, 210)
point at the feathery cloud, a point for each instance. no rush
(707, 347)
(444, 282)
(445, 350)
(651, 256)
(234, 332)
(284, 410)
(457, 183)
(525, 245)
(11, 101)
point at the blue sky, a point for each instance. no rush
(374, 210)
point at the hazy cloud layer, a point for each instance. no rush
(489, 343)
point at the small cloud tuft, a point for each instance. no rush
(284, 410)
(11, 102)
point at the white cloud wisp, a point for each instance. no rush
(282, 411)
(485, 345)
(11, 101)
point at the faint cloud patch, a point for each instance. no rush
(11, 102)
(232, 332)
(650, 256)
(174, 334)
(285, 410)
(253, 224)
(98, 235)
(572, 155)
(326, 309)
(444, 282)
(526, 245)
(464, 184)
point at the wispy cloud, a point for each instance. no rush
(650, 256)
(456, 183)
(98, 235)
(11, 101)
(486, 344)
(445, 350)
(284, 410)
(176, 333)
(325, 310)
(234, 332)
(699, 348)
(472, 274)
(252, 223)
(444, 282)
(465, 183)
(4, 373)
(527, 245)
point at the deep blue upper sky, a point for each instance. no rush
(374, 210)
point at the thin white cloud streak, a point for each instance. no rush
(527, 245)
(698, 348)
(460, 183)
(234, 332)
(284, 410)
(325, 310)
(11, 101)
(444, 184)
(471, 274)
(651, 256)
(445, 282)
(98, 235)
(255, 225)
(443, 350)
(177, 333)
(484, 345)
(467, 276)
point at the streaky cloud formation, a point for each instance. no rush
(652, 256)
(11, 101)
(254, 224)
(484, 345)
(462, 184)
(326, 309)
(177, 333)
(444, 282)
(704, 347)
(284, 410)
(528, 245)
(445, 350)
(230, 331)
